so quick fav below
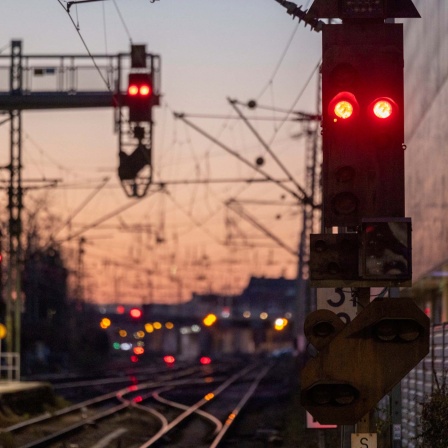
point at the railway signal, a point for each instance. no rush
(379, 254)
(363, 122)
(140, 97)
(359, 363)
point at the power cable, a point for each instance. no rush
(106, 82)
(279, 63)
(81, 207)
(271, 153)
(123, 22)
(103, 219)
(296, 100)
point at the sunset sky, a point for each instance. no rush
(186, 238)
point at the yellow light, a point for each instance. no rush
(139, 334)
(264, 315)
(383, 109)
(157, 325)
(149, 328)
(343, 109)
(280, 323)
(123, 333)
(169, 325)
(105, 323)
(210, 396)
(3, 331)
(209, 320)
(230, 418)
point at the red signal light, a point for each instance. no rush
(142, 90)
(136, 313)
(343, 106)
(205, 360)
(133, 90)
(343, 109)
(140, 97)
(145, 90)
(383, 108)
(169, 359)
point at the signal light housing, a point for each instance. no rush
(140, 97)
(360, 363)
(363, 123)
(380, 254)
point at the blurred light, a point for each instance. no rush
(135, 313)
(134, 358)
(149, 328)
(169, 359)
(157, 325)
(139, 350)
(105, 323)
(120, 309)
(137, 399)
(204, 360)
(246, 314)
(126, 346)
(116, 345)
(195, 328)
(209, 320)
(133, 90)
(169, 325)
(230, 418)
(225, 313)
(264, 315)
(139, 334)
(3, 331)
(280, 323)
(145, 90)
(209, 396)
(123, 333)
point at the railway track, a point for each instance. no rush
(188, 407)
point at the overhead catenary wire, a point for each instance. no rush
(106, 82)
(271, 153)
(104, 218)
(296, 100)
(82, 205)
(279, 63)
(239, 157)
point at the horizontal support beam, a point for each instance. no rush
(59, 100)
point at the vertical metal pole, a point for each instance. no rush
(304, 296)
(395, 400)
(363, 426)
(14, 289)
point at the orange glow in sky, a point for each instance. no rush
(187, 236)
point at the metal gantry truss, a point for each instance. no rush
(43, 82)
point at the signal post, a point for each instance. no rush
(367, 238)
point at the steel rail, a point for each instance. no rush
(192, 409)
(234, 414)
